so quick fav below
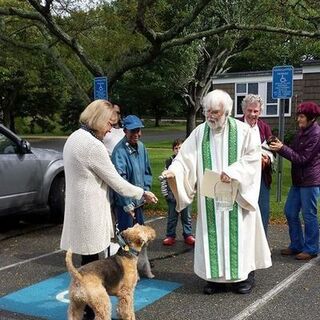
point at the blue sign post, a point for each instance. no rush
(100, 88)
(282, 84)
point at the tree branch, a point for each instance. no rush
(12, 11)
(71, 42)
(234, 26)
(178, 28)
(148, 33)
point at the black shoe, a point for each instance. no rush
(245, 287)
(211, 287)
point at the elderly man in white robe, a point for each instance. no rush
(230, 242)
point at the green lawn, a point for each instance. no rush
(159, 151)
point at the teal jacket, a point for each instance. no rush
(134, 166)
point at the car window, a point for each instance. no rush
(7, 146)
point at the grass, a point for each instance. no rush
(159, 151)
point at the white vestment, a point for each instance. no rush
(229, 245)
(112, 138)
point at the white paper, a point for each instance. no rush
(212, 186)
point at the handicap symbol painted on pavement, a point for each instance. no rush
(49, 298)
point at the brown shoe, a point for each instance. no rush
(289, 252)
(305, 256)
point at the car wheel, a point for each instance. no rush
(56, 199)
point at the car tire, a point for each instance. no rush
(56, 199)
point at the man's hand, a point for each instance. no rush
(265, 161)
(150, 197)
(167, 174)
(225, 178)
(132, 214)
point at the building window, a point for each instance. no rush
(264, 89)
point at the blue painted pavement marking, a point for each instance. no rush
(49, 298)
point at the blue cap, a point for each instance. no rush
(132, 122)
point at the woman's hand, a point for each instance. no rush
(149, 197)
(276, 145)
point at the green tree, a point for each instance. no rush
(112, 38)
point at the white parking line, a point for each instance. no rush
(54, 252)
(28, 260)
(247, 312)
(155, 219)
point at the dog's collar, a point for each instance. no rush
(124, 245)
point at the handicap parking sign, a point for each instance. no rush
(100, 88)
(282, 82)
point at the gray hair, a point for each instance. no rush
(216, 98)
(252, 98)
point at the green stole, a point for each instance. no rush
(210, 210)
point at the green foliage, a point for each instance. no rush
(288, 136)
(157, 160)
(70, 115)
(104, 35)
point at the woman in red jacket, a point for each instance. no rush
(304, 193)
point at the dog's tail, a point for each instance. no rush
(71, 268)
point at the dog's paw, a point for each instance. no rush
(150, 275)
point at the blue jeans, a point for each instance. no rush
(304, 199)
(264, 204)
(173, 217)
(125, 219)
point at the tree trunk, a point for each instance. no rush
(6, 117)
(12, 122)
(191, 120)
(157, 121)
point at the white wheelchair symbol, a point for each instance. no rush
(283, 79)
(63, 296)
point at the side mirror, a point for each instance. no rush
(25, 146)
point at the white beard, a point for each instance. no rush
(217, 125)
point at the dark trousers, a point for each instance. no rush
(85, 259)
(125, 220)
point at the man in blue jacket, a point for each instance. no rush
(131, 160)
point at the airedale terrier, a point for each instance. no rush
(116, 276)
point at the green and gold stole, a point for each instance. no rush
(210, 210)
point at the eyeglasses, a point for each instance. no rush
(211, 112)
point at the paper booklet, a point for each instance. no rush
(223, 193)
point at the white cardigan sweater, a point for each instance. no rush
(87, 227)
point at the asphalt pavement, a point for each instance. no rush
(288, 290)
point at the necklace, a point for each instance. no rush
(86, 128)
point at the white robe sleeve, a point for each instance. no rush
(184, 167)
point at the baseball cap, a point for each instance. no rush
(132, 122)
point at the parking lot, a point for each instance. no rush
(32, 268)
(34, 282)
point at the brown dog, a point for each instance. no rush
(116, 276)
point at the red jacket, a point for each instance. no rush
(265, 133)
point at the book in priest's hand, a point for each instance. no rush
(223, 193)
